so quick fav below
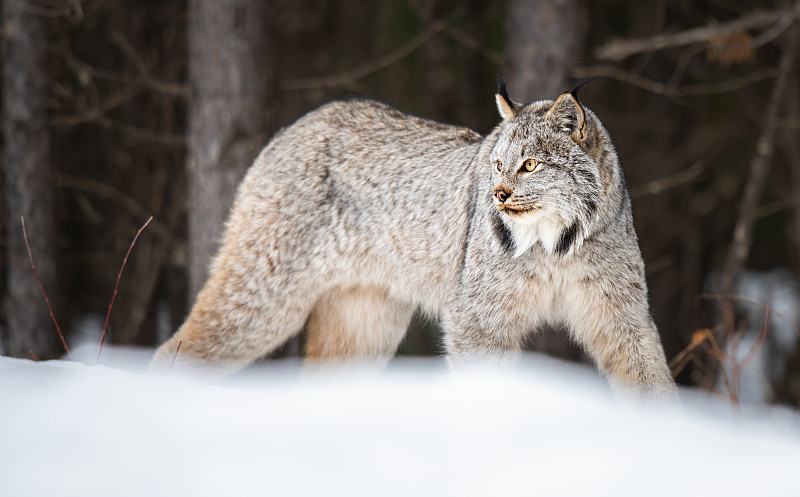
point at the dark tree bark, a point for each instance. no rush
(28, 183)
(231, 113)
(543, 41)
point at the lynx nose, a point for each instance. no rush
(501, 195)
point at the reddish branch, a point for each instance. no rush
(116, 285)
(46, 299)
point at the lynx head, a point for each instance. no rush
(552, 171)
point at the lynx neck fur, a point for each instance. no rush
(358, 214)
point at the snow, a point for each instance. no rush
(547, 429)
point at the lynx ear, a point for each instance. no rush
(567, 114)
(504, 104)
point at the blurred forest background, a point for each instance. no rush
(114, 111)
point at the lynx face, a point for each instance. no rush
(546, 183)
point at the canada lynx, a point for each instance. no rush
(357, 215)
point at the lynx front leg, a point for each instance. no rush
(480, 339)
(612, 320)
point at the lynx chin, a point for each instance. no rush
(358, 214)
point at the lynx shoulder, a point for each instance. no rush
(357, 215)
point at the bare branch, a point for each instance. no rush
(669, 90)
(425, 14)
(759, 167)
(791, 150)
(773, 32)
(84, 69)
(140, 133)
(98, 110)
(116, 285)
(348, 78)
(662, 184)
(73, 8)
(127, 48)
(471, 43)
(41, 287)
(620, 49)
(104, 190)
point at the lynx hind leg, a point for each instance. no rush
(362, 324)
(233, 323)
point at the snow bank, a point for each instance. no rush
(70, 429)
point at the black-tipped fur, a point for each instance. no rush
(501, 89)
(502, 233)
(568, 237)
(575, 89)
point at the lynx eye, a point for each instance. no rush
(498, 166)
(529, 166)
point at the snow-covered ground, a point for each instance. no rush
(71, 429)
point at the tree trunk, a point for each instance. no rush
(28, 184)
(543, 41)
(231, 76)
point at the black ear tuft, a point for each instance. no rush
(575, 89)
(505, 106)
(567, 113)
(501, 87)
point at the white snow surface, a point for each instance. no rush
(68, 429)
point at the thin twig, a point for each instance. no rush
(35, 359)
(773, 32)
(669, 90)
(762, 337)
(178, 349)
(722, 357)
(620, 49)
(791, 149)
(83, 69)
(681, 65)
(463, 39)
(777, 206)
(141, 134)
(38, 280)
(682, 358)
(745, 300)
(106, 191)
(349, 77)
(662, 184)
(99, 110)
(127, 48)
(73, 9)
(467, 41)
(116, 285)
